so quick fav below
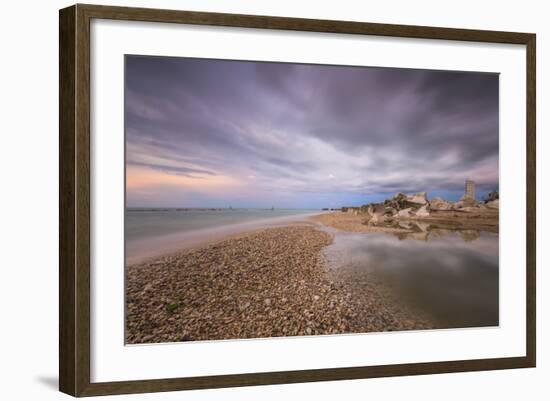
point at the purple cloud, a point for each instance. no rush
(312, 133)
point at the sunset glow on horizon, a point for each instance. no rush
(215, 133)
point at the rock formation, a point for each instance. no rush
(404, 212)
(420, 198)
(417, 206)
(440, 204)
(424, 211)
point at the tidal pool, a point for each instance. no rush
(450, 276)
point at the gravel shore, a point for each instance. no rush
(269, 283)
(486, 220)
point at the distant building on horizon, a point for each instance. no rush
(470, 190)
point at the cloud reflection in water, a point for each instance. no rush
(452, 276)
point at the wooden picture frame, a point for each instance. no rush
(74, 199)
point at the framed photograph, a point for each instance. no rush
(250, 200)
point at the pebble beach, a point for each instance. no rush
(268, 283)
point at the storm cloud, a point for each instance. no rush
(203, 132)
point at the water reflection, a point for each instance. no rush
(422, 230)
(450, 275)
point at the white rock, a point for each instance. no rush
(440, 204)
(420, 198)
(370, 210)
(404, 212)
(377, 218)
(423, 211)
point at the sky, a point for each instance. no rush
(220, 133)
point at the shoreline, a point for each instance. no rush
(458, 221)
(142, 250)
(266, 282)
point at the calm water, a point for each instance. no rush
(154, 232)
(145, 224)
(451, 275)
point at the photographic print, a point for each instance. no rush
(268, 199)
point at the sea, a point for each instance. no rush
(451, 274)
(151, 232)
